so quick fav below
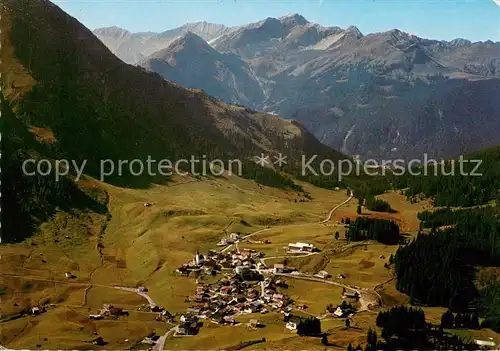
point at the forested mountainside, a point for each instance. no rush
(452, 262)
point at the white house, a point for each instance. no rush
(484, 343)
(338, 312)
(301, 247)
(241, 269)
(323, 275)
(278, 268)
(293, 323)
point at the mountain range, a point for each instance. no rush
(383, 95)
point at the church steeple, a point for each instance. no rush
(198, 259)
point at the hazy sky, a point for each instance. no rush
(435, 19)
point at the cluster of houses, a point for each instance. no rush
(281, 268)
(259, 241)
(108, 310)
(37, 310)
(230, 239)
(322, 275)
(344, 310)
(214, 261)
(230, 297)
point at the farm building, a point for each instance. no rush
(301, 247)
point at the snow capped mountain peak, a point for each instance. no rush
(293, 19)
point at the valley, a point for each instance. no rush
(142, 246)
(272, 257)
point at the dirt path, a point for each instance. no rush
(337, 207)
(243, 238)
(160, 344)
(140, 293)
(327, 219)
(87, 285)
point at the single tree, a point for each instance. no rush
(447, 320)
(371, 340)
(347, 323)
(391, 259)
(475, 321)
(324, 339)
(337, 235)
(358, 211)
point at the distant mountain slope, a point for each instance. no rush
(133, 47)
(97, 107)
(383, 95)
(192, 63)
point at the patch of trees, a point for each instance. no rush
(460, 320)
(266, 176)
(371, 341)
(309, 326)
(406, 328)
(490, 306)
(438, 269)
(446, 216)
(378, 205)
(400, 320)
(381, 230)
(365, 186)
(346, 221)
(449, 189)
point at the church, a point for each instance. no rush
(199, 258)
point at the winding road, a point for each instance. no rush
(337, 207)
(140, 293)
(326, 220)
